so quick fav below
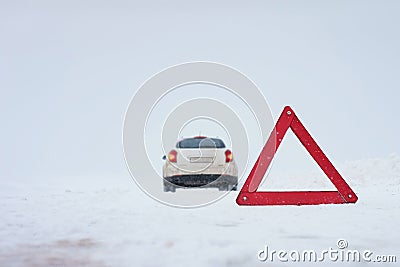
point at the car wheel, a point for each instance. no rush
(224, 188)
(169, 188)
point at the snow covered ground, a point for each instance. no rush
(115, 224)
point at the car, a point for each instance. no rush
(200, 161)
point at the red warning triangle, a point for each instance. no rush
(250, 196)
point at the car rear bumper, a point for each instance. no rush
(228, 169)
(201, 180)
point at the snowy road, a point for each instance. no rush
(119, 225)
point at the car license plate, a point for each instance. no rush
(201, 159)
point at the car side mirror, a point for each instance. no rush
(164, 157)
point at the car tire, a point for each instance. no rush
(224, 188)
(169, 188)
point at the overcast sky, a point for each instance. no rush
(68, 70)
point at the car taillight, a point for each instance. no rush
(172, 156)
(228, 156)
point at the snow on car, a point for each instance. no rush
(200, 161)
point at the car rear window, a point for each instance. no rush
(201, 143)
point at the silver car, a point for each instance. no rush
(200, 162)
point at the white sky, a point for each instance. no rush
(68, 70)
